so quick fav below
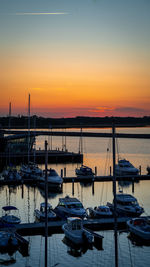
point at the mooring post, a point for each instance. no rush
(110, 170)
(65, 172)
(140, 169)
(73, 186)
(95, 171)
(22, 191)
(93, 186)
(132, 185)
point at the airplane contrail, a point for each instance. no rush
(40, 13)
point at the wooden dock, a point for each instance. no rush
(87, 179)
(54, 156)
(108, 178)
(54, 227)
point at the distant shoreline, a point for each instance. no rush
(24, 122)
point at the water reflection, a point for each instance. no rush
(85, 184)
(76, 250)
(137, 241)
(51, 195)
(6, 260)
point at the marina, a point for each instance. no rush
(75, 133)
(94, 192)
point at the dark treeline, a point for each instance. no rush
(41, 122)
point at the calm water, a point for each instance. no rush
(97, 152)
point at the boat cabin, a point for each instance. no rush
(126, 199)
(74, 223)
(71, 203)
(103, 208)
(8, 209)
(9, 217)
(43, 207)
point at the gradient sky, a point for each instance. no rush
(75, 57)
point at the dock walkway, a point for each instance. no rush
(54, 227)
(87, 179)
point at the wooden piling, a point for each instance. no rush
(72, 186)
(110, 170)
(140, 169)
(65, 172)
(93, 186)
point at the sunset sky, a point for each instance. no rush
(75, 57)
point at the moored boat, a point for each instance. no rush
(84, 171)
(102, 211)
(11, 174)
(9, 217)
(70, 207)
(126, 205)
(75, 232)
(40, 214)
(124, 167)
(31, 171)
(140, 227)
(54, 181)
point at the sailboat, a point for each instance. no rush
(30, 171)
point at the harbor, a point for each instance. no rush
(97, 190)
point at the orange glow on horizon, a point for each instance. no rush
(56, 82)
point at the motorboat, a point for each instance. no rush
(140, 227)
(102, 211)
(126, 205)
(70, 207)
(124, 167)
(7, 239)
(9, 217)
(12, 174)
(31, 171)
(84, 171)
(54, 181)
(40, 214)
(75, 232)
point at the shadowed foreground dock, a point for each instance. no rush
(56, 226)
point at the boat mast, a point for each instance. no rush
(34, 138)
(9, 126)
(29, 129)
(114, 193)
(80, 142)
(9, 116)
(46, 197)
